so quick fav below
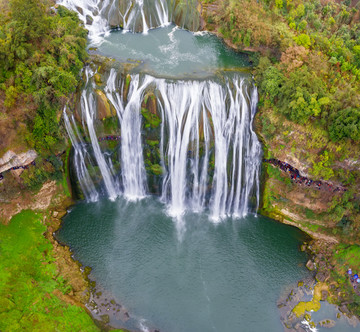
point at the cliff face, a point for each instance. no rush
(328, 211)
(309, 137)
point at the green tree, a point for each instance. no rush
(345, 124)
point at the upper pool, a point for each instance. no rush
(173, 52)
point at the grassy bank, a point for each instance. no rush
(31, 286)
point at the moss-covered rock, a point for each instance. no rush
(103, 106)
(156, 169)
(314, 305)
(151, 119)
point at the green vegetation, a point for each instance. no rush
(348, 257)
(310, 68)
(345, 257)
(151, 120)
(34, 177)
(30, 281)
(41, 54)
(308, 75)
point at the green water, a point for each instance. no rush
(173, 52)
(214, 277)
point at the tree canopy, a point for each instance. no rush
(42, 50)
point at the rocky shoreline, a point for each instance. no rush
(296, 305)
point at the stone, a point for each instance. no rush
(320, 277)
(322, 264)
(344, 309)
(89, 20)
(310, 265)
(11, 159)
(105, 318)
(80, 10)
(55, 214)
(97, 79)
(324, 295)
(328, 323)
(115, 19)
(103, 106)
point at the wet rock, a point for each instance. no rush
(115, 19)
(299, 328)
(321, 276)
(328, 323)
(105, 318)
(310, 265)
(79, 10)
(97, 79)
(343, 308)
(103, 106)
(89, 20)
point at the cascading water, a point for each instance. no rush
(89, 112)
(133, 170)
(209, 153)
(135, 16)
(188, 108)
(99, 16)
(80, 158)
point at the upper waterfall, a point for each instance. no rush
(99, 16)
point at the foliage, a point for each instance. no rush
(41, 54)
(29, 281)
(34, 177)
(271, 84)
(321, 169)
(316, 75)
(345, 124)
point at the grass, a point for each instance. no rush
(29, 281)
(345, 257)
(348, 257)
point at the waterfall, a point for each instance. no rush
(80, 157)
(208, 151)
(99, 16)
(188, 106)
(88, 107)
(133, 170)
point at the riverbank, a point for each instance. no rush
(42, 286)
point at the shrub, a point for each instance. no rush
(345, 124)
